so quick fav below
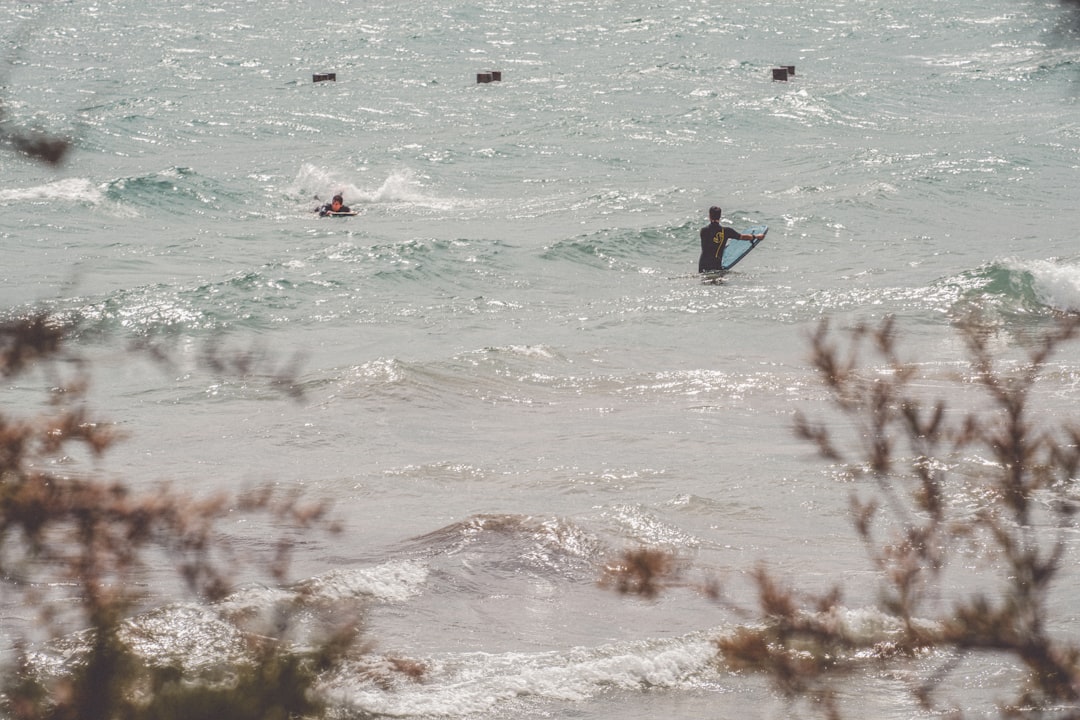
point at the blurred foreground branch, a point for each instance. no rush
(926, 461)
(74, 549)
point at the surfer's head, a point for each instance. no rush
(337, 201)
(715, 213)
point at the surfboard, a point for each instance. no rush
(338, 214)
(734, 251)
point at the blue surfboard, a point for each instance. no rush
(734, 251)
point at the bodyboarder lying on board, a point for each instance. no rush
(334, 207)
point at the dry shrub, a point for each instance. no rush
(916, 526)
(89, 536)
(644, 572)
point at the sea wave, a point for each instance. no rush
(629, 250)
(1015, 288)
(201, 637)
(68, 190)
(204, 639)
(1055, 284)
(478, 683)
(510, 544)
(468, 684)
(174, 190)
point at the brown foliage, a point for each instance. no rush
(49, 149)
(46, 148)
(643, 572)
(91, 535)
(913, 529)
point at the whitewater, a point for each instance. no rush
(509, 372)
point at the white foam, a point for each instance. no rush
(472, 683)
(73, 190)
(400, 186)
(1056, 284)
(391, 581)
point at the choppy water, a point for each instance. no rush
(509, 372)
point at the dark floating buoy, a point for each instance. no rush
(780, 73)
(324, 77)
(496, 75)
(489, 76)
(790, 70)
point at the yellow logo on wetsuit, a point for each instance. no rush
(719, 238)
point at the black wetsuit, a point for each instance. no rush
(328, 209)
(714, 237)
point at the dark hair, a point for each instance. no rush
(715, 213)
(338, 198)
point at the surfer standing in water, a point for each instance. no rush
(714, 237)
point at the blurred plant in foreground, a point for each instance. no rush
(921, 529)
(72, 548)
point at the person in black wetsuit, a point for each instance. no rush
(334, 206)
(714, 237)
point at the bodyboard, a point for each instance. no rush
(736, 250)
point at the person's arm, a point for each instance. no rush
(751, 237)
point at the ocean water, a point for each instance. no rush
(509, 372)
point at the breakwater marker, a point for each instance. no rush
(782, 73)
